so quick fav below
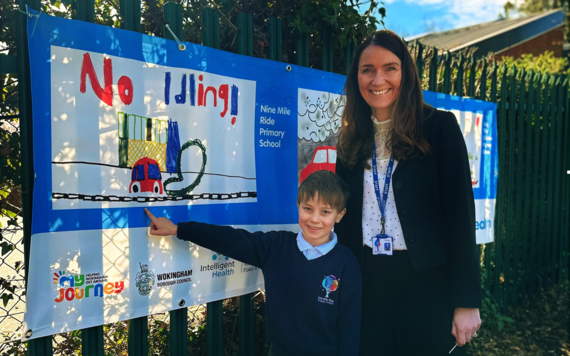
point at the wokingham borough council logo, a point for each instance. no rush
(144, 280)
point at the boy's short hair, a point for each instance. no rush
(329, 187)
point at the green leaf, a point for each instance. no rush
(6, 247)
(330, 19)
(6, 298)
(336, 7)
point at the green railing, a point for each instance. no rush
(531, 249)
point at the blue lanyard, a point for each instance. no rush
(382, 200)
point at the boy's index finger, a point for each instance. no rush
(152, 217)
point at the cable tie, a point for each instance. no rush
(181, 46)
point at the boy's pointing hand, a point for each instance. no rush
(161, 226)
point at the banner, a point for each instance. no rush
(124, 121)
(478, 122)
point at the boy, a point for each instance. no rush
(313, 284)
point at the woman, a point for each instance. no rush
(421, 281)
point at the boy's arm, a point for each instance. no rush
(350, 309)
(242, 245)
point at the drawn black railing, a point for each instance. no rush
(128, 199)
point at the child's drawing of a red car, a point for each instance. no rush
(323, 158)
(146, 177)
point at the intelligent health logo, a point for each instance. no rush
(216, 256)
(222, 266)
(330, 284)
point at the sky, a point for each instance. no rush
(413, 17)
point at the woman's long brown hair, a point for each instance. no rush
(357, 133)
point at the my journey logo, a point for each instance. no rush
(84, 286)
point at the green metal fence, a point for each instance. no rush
(531, 247)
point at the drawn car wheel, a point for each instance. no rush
(136, 187)
(156, 187)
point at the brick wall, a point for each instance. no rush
(549, 41)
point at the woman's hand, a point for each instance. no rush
(161, 226)
(466, 322)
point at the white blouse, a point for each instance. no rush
(371, 225)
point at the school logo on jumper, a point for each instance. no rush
(84, 286)
(330, 284)
(144, 280)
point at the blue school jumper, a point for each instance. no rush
(313, 307)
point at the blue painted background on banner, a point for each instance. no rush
(276, 169)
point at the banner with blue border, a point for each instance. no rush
(124, 121)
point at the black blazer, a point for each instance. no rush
(435, 205)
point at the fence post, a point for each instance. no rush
(349, 54)
(535, 211)
(179, 317)
(432, 86)
(483, 79)
(211, 28)
(520, 175)
(326, 48)
(471, 82)
(565, 220)
(420, 60)
(559, 173)
(246, 325)
(527, 216)
(85, 10)
(91, 338)
(490, 249)
(41, 346)
(303, 50)
(550, 240)
(130, 11)
(447, 74)
(275, 41)
(244, 42)
(173, 17)
(501, 131)
(179, 331)
(507, 189)
(543, 180)
(460, 72)
(246, 316)
(92, 341)
(214, 329)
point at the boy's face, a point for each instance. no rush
(317, 219)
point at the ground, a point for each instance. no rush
(539, 327)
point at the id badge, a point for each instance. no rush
(383, 245)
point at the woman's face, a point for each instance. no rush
(379, 78)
